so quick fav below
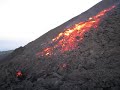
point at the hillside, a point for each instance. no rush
(81, 54)
(4, 54)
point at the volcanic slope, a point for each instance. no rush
(87, 59)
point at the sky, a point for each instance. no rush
(22, 21)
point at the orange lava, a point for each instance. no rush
(68, 40)
(19, 74)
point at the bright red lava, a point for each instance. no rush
(19, 74)
(68, 40)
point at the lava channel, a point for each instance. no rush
(68, 40)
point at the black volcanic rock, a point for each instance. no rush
(8, 55)
(94, 65)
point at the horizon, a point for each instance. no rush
(26, 20)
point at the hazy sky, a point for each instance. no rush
(22, 21)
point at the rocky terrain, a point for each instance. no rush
(93, 65)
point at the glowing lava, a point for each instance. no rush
(68, 40)
(19, 74)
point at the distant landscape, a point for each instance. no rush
(3, 54)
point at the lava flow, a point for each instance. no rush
(68, 40)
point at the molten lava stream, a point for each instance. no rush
(69, 39)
